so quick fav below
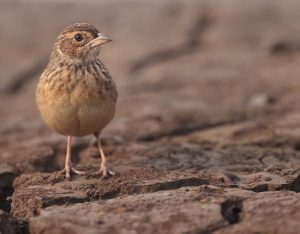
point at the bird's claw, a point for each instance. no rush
(68, 172)
(105, 172)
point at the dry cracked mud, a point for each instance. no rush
(206, 134)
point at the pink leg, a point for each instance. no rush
(68, 164)
(104, 170)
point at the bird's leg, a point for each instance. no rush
(104, 170)
(68, 164)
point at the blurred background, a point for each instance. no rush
(179, 65)
(203, 84)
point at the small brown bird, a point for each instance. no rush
(75, 94)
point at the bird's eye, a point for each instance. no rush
(78, 37)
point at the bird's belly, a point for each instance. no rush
(76, 114)
(80, 121)
(93, 118)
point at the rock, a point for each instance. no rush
(35, 192)
(28, 200)
(143, 213)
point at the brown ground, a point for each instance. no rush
(206, 136)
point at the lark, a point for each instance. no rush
(76, 95)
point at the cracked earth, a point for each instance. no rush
(206, 134)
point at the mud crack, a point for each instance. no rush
(231, 209)
(151, 188)
(185, 130)
(190, 45)
(20, 80)
(285, 47)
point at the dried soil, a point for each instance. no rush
(206, 135)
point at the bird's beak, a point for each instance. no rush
(100, 40)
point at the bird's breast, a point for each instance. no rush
(77, 100)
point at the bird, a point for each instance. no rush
(75, 94)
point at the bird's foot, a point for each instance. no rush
(68, 172)
(105, 172)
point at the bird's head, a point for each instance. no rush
(78, 43)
